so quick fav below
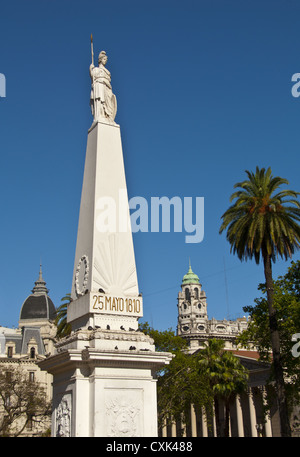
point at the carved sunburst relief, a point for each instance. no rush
(114, 266)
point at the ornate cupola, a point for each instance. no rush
(192, 307)
(38, 306)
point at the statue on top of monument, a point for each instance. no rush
(103, 102)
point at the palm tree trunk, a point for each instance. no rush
(275, 342)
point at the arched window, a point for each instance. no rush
(187, 294)
(196, 291)
(32, 353)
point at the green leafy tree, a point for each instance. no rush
(22, 401)
(264, 223)
(227, 377)
(287, 304)
(166, 340)
(63, 327)
(179, 384)
(200, 379)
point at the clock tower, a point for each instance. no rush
(192, 307)
(193, 323)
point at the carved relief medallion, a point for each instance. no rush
(82, 275)
(123, 412)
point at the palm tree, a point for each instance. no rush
(227, 377)
(231, 380)
(209, 366)
(262, 223)
(63, 327)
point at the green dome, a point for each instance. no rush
(190, 277)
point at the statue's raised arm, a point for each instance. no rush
(103, 102)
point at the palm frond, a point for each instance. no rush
(260, 219)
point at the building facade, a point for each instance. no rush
(247, 411)
(24, 347)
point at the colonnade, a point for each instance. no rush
(249, 417)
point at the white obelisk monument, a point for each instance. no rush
(104, 372)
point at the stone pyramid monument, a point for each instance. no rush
(104, 372)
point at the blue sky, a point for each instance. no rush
(204, 93)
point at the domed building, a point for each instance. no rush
(37, 320)
(32, 341)
(38, 306)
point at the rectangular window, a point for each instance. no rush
(31, 376)
(8, 376)
(10, 352)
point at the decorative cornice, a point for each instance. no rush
(91, 357)
(101, 334)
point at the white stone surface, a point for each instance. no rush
(104, 260)
(104, 384)
(103, 102)
(111, 254)
(104, 373)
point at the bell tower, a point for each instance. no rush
(192, 308)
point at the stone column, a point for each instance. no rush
(173, 429)
(214, 427)
(203, 423)
(164, 429)
(252, 413)
(239, 416)
(268, 427)
(229, 425)
(193, 421)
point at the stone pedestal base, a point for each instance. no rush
(104, 384)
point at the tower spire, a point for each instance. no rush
(40, 284)
(40, 273)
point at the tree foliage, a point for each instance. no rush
(179, 383)
(166, 340)
(21, 401)
(226, 375)
(200, 379)
(287, 305)
(63, 327)
(260, 221)
(264, 223)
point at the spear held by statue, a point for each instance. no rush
(93, 82)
